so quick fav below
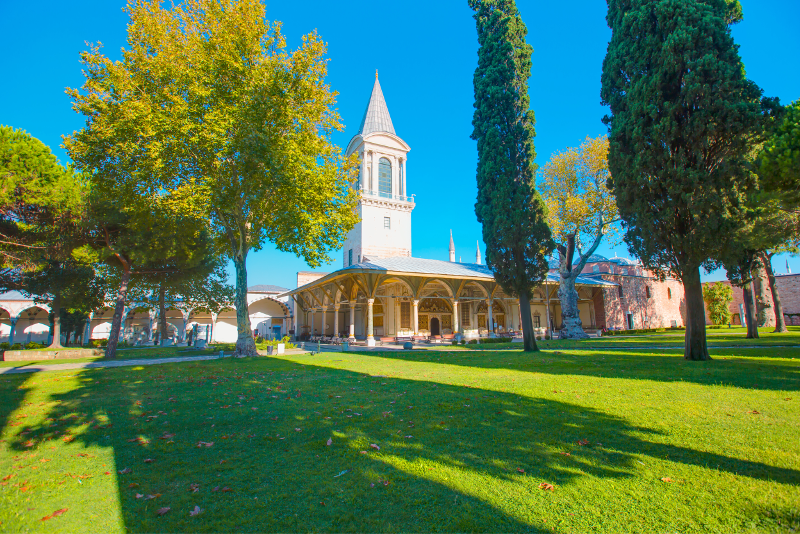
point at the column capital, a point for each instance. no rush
(370, 301)
(337, 307)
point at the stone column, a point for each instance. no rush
(88, 331)
(370, 328)
(13, 327)
(455, 318)
(415, 304)
(312, 322)
(395, 177)
(373, 182)
(403, 177)
(489, 318)
(324, 321)
(352, 332)
(336, 320)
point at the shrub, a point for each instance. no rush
(16, 346)
(274, 343)
(5, 345)
(463, 341)
(547, 336)
(473, 341)
(635, 331)
(718, 297)
(32, 345)
(98, 343)
(454, 342)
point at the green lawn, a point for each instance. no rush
(632, 441)
(723, 337)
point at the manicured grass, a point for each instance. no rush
(724, 337)
(632, 441)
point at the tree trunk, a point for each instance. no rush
(695, 346)
(119, 307)
(56, 310)
(528, 335)
(750, 310)
(162, 315)
(245, 345)
(571, 324)
(764, 311)
(780, 320)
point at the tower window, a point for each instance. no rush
(669, 293)
(387, 223)
(619, 290)
(647, 291)
(384, 178)
(595, 268)
(350, 257)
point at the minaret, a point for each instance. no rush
(478, 253)
(452, 248)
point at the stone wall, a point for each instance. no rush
(789, 290)
(36, 355)
(650, 302)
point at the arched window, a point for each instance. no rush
(669, 293)
(647, 291)
(384, 178)
(619, 289)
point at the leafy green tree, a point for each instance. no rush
(718, 297)
(778, 164)
(513, 215)
(683, 118)
(41, 226)
(581, 211)
(208, 105)
(140, 237)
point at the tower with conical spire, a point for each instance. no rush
(478, 253)
(452, 248)
(385, 206)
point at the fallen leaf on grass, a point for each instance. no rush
(545, 486)
(148, 460)
(226, 489)
(162, 511)
(521, 470)
(194, 488)
(201, 444)
(195, 512)
(133, 485)
(153, 496)
(8, 476)
(340, 474)
(374, 446)
(666, 479)
(756, 412)
(329, 442)
(125, 471)
(54, 514)
(139, 495)
(565, 453)
(583, 442)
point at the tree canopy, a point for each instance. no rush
(209, 105)
(513, 215)
(683, 120)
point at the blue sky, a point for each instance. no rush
(425, 53)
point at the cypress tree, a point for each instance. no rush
(682, 118)
(511, 211)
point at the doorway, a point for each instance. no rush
(435, 328)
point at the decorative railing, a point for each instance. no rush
(388, 196)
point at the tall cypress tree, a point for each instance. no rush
(682, 118)
(512, 213)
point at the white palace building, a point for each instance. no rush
(384, 292)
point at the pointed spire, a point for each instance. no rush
(478, 253)
(452, 248)
(788, 270)
(376, 118)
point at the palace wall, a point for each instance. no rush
(789, 290)
(649, 302)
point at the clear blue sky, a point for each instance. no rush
(426, 54)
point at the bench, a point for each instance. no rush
(448, 337)
(419, 338)
(387, 339)
(402, 339)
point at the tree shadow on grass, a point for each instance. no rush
(729, 369)
(12, 393)
(252, 435)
